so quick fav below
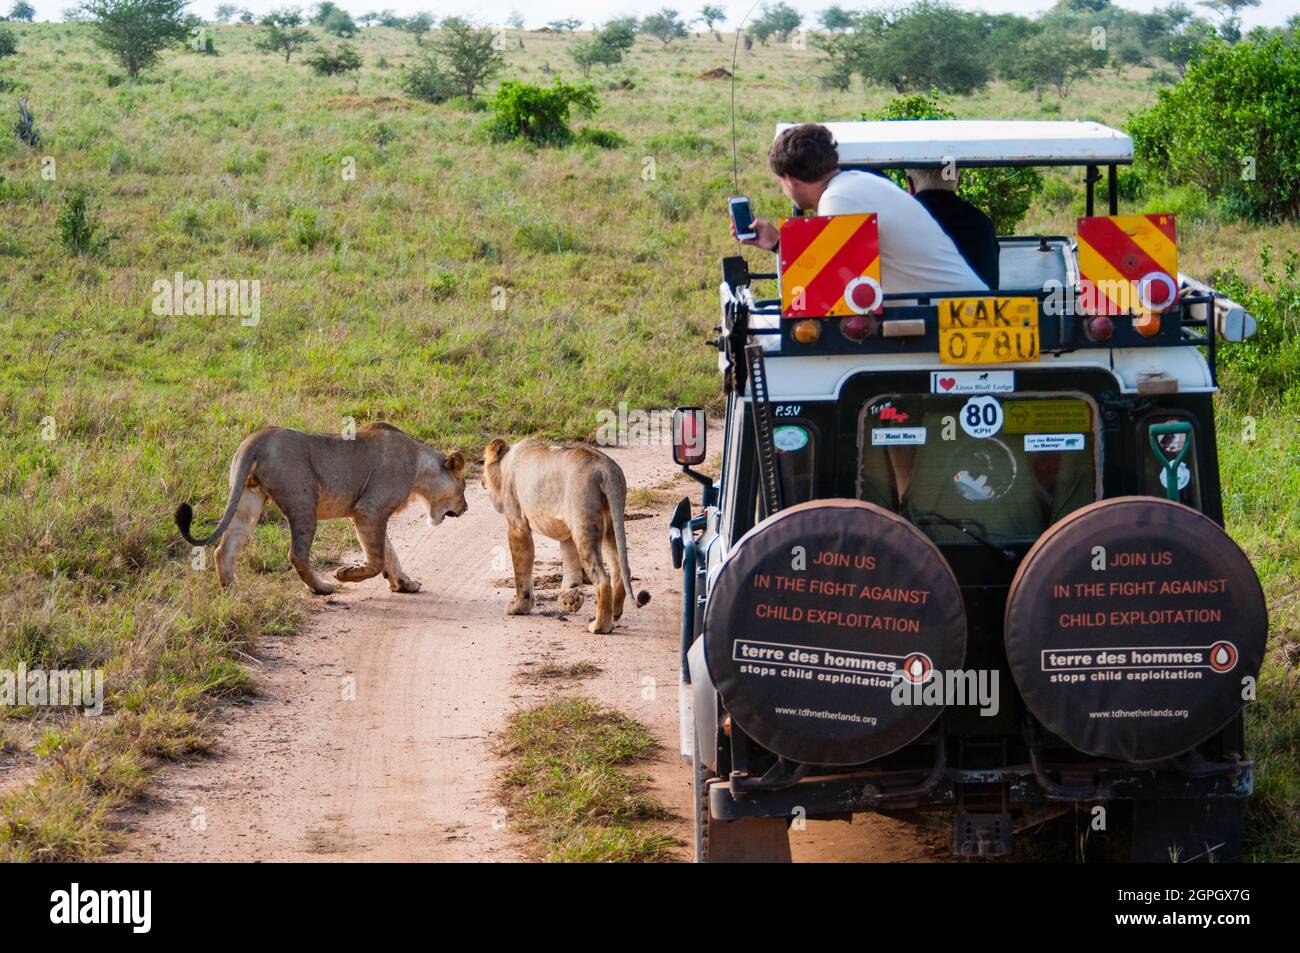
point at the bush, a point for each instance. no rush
(323, 62)
(430, 81)
(600, 138)
(538, 114)
(1230, 128)
(1005, 194)
(8, 42)
(80, 230)
(1269, 363)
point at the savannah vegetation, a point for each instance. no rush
(506, 241)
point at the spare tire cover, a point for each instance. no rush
(1131, 625)
(810, 617)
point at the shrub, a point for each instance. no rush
(8, 42)
(1269, 363)
(539, 114)
(307, 230)
(1230, 128)
(338, 62)
(80, 230)
(1005, 194)
(600, 138)
(430, 81)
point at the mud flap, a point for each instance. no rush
(1188, 831)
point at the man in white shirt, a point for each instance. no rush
(916, 255)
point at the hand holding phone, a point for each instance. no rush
(742, 218)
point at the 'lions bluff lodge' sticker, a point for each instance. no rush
(1132, 626)
(815, 617)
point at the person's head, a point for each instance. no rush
(804, 158)
(922, 180)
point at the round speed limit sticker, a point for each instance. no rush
(981, 416)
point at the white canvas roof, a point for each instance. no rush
(976, 142)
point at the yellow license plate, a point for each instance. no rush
(989, 330)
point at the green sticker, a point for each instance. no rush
(789, 439)
(1047, 416)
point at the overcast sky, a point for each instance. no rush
(538, 12)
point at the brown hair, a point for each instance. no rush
(805, 152)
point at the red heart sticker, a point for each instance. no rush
(947, 383)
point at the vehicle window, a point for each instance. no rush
(1002, 467)
(1154, 480)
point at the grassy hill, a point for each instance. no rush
(454, 287)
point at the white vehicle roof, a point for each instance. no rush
(919, 143)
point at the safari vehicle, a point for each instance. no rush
(964, 564)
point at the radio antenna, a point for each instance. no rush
(735, 51)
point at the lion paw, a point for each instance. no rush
(406, 585)
(595, 629)
(520, 606)
(570, 600)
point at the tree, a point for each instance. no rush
(564, 26)
(284, 32)
(835, 19)
(418, 26)
(1058, 57)
(515, 20)
(323, 11)
(709, 15)
(340, 23)
(665, 26)
(780, 20)
(606, 47)
(468, 53)
(1229, 12)
(225, 13)
(929, 45)
(136, 31)
(23, 12)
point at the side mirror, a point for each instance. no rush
(689, 433)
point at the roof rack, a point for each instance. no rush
(972, 143)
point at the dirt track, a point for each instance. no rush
(371, 736)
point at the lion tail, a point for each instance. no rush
(615, 486)
(185, 514)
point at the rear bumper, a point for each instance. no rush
(869, 791)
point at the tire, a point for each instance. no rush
(756, 840)
(1186, 831)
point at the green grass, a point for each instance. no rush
(456, 288)
(568, 787)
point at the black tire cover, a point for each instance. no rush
(1138, 652)
(804, 658)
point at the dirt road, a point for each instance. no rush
(371, 735)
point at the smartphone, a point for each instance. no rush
(742, 217)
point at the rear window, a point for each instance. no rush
(1003, 467)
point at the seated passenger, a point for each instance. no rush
(915, 254)
(969, 228)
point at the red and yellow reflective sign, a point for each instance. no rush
(1128, 264)
(830, 266)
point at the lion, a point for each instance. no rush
(315, 476)
(572, 494)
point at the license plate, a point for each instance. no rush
(988, 330)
